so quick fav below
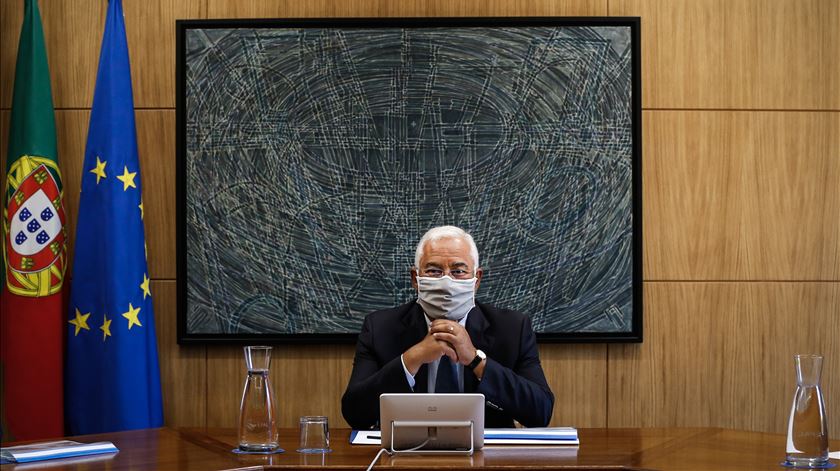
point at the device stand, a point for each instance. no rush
(396, 424)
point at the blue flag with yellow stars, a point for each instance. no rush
(112, 379)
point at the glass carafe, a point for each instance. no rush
(807, 436)
(258, 430)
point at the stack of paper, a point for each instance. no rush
(531, 436)
(53, 450)
(496, 436)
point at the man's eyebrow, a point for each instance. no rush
(459, 264)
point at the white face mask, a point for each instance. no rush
(446, 298)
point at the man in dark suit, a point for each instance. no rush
(446, 342)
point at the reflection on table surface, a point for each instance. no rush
(672, 449)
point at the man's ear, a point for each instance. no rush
(478, 273)
(413, 272)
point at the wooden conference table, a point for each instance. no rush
(671, 449)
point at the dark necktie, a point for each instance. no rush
(447, 377)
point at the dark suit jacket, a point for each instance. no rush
(513, 384)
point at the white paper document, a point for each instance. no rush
(53, 450)
(495, 436)
(835, 455)
(531, 436)
(365, 437)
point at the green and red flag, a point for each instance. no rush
(34, 252)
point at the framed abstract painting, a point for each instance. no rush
(313, 154)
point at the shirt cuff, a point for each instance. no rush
(408, 376)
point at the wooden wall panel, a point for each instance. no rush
(73, 34)
(183, 369)
(738, 53)
(156, 145)
(741, 195)
(577, 375)
(150, 28)
(411, 8)
(307, 380)
(225, 378)
(720, 354)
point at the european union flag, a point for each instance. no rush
(112, 377)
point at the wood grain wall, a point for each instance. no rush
(741, 205)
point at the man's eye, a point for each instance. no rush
(433, 272)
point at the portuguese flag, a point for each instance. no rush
(34, 252)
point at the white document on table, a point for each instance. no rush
(495, 436)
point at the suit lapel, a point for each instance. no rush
(415, 330)
(482, 336)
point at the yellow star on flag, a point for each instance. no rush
(127, 178)
(80, 321)
(145, 286)
(99, 171)
(105, 327)
(131, 315)
(141, 208)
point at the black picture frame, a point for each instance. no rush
(217, 82)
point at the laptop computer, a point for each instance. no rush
(429, 422)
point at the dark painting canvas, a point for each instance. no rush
(313, 156)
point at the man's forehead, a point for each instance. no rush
(450, 251)
(447, 246)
